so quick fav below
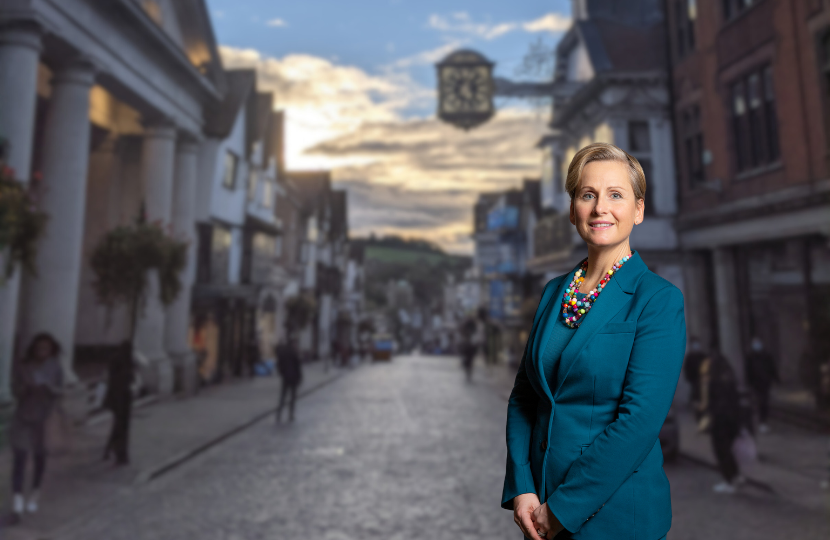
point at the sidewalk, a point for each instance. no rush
(792, 460)
(163, 435)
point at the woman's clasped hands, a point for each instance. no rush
(535, 520)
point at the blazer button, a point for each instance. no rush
(544, 445)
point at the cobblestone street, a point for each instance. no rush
(405, 450)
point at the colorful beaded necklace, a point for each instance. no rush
(573, 309)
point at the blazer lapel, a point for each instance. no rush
(544, 336)
(530, 359)
(612, 299)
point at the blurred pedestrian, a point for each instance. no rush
(721, 400)
(761, 372)
(468, 346)
(691, 372)
(119, 400)
(291, 371)
(37, 382)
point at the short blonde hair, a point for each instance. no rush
(601, 151)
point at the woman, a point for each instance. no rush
(722, 403)
(598, 375)
(36, 384)
(119, 400)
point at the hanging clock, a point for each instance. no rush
(465, 89)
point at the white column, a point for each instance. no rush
(19, 54)
(184, 227)
(157, 167)
(51, 297)
(726, 300)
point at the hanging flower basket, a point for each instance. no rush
(21, 225)
(125, 256)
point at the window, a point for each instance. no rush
(253, 178)
(693, 146)
(650, 183)
(754, 120)
(686, 14)
(229, 174)
(267, 195)
(733, 8)
(638, 136)
(824, 56)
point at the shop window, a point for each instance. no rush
(229, 174)
(686, 16)
(693, 146)
(754, 120)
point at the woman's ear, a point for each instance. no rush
(640, 211)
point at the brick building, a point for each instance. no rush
(751, 107)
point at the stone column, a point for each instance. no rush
(19, 55)
(726, 303)
(184, 227)
(157, 167)
(51, 297)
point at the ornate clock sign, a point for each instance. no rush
(465, 89)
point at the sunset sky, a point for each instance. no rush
(357, 82)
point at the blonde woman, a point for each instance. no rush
(598, 375)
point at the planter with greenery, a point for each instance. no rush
(123, 259)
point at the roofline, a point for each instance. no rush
(176, 53)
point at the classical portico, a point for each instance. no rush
(116, 119)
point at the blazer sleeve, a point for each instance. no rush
(521, 415)
(650, 383)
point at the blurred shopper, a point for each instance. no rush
(291, 370)
(720, 397)
(468, 346)
(119, 400)
(691, 372)
(761, 372)
(36, 383)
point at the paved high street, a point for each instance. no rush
(396, 451)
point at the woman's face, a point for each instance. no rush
(604, 208)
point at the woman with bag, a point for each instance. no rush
(37, 382)
(723, 407)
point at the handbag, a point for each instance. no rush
(744, 448)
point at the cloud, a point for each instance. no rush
(426, 57)
(415, 177)
(422, 175)
(323, 99)
(462, 23)
(277, 23)
(552, 22)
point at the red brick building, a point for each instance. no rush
(751, 89)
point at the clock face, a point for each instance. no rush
(465, 89)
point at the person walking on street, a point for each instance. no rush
(761, 372)
(291, 371)
(721, 400)
(37, 382)
(119, 400)
(691, 372)
(468, 346)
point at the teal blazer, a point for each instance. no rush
(589, 446)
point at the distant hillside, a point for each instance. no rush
(422, 263)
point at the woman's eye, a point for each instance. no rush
(617, 195)
(587, 195)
